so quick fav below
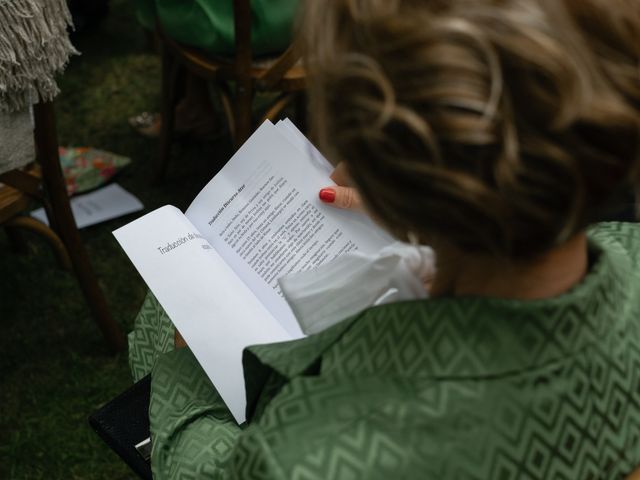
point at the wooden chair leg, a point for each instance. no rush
(171, 73)
(28, 223)
(244, 99)
(276, 108)
(301, 111)
(47, 147)
(226, 99)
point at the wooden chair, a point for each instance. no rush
(44, 182)
(283, 75)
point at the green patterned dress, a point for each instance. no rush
(448, 388)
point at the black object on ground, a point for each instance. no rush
(124, 422)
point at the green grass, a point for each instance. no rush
(54, 367)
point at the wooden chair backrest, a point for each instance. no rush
(47, 185)
(244, 52)
(279, 75)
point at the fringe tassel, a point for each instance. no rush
(34, 46)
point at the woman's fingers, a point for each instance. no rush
(341, 197)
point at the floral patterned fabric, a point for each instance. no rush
(87, 168)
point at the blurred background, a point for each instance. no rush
(55, 367)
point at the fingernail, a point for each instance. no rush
(327, 195)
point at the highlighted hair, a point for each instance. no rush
(501, 126)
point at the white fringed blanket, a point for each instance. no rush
(34, 46)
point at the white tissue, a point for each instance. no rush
(322, 297)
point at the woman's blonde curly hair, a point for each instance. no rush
(500, 126)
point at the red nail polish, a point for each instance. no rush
(327, 195)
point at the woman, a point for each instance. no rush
(497, 133)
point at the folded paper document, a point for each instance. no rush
(215, 268)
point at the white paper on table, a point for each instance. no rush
(104, 204)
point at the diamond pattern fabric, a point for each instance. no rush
(448, 388)
(152, 336)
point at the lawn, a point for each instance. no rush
(54, 367)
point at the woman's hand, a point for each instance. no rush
(342, 195)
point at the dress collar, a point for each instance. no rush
(461, 337)
(480, 336)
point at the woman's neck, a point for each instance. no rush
(548, 275)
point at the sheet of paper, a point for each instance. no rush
(101, 205)
(213, 309)
(263, 215)
(288, 129)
